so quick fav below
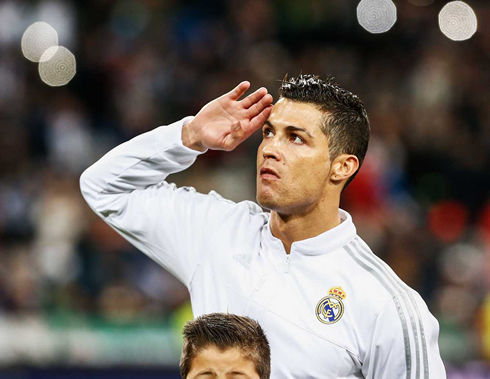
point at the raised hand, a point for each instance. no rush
(226, 122)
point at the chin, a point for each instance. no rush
(266, 201)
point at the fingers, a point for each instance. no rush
(255, 109)
(258, 121)
(253, 98)
(238, 134)
(239, 90)
(235, 137)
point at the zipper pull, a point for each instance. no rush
(288, 259)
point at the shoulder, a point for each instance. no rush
(211, 212)
(214, 200)
(395, 299)
(227, 216)
(245, 206)
(377, 281)
(371, 269)
(369, 276)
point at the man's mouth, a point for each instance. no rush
(268, 173)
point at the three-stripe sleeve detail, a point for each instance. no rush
(406, 296)
(405, 292)
(401, 315)
(422, 336)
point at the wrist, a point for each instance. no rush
(190, 139)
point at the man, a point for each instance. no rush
(330, 307)
(221, 346)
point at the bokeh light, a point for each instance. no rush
(462, 263)
(376, 16)
(57, 66)
(457, 21)
(38, 38)
(447, 220)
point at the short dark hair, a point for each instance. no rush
(345, 124)
(226, 331)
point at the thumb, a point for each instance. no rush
(235, 136)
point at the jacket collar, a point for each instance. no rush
(324, 243)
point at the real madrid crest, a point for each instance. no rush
(330, 309)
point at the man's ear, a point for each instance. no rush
(343, 167)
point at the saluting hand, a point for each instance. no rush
(226, 122)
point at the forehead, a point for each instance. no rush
(222, 361)
(288, 112)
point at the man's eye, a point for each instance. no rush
(266, 132)
(297, 138)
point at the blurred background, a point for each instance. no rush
(77, 300)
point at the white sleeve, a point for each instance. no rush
(126, 188)
(396, 344)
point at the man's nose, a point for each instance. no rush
(272, 149)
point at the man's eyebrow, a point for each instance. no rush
(291, 128)
(206, 372)
(234, 373)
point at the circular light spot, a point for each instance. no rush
(457, 21)
(376, 16)
(57, 66)
(448, 220)
(38, 38)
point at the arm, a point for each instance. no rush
(393, 356)
(126, 187)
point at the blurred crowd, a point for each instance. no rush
(421, 200)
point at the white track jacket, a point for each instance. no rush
(330, 308)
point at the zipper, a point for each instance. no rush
(288, 259)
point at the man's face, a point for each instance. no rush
(300, 158)
(211, 362)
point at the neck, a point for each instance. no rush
(296, 227)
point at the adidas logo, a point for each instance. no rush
(243, 259)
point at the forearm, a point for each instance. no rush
(136, 164)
